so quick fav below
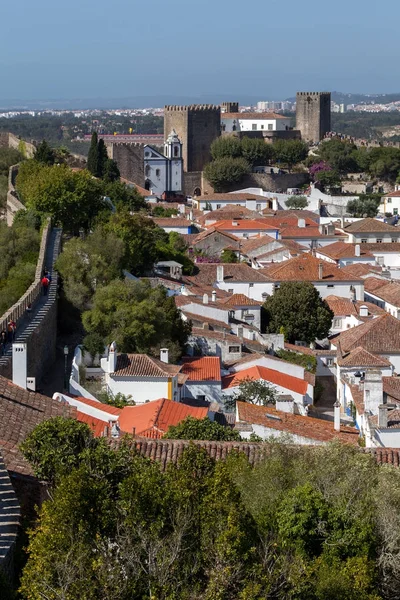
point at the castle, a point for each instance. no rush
(313, 115)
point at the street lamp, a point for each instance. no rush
(66, 368)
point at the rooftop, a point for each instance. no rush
(171, 222)
(244, 225)
(391, 387)
(239, 272)
(389, 293)
(359, 357)
(142, 365)
(361, 270)
(205, 368)
(308, 427)
(253, 116)
(369, 225)
(240, 300)
(20, 412)
(305, 267)
(288, 382)
(231, 197)
(379, 336)
(341, 249)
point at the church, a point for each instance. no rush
(163, 173)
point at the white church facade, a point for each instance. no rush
(164, 172)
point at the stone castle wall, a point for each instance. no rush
(197, 127)
(313, 115)
(130, 160)
(13, 204)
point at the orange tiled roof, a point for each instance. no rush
(288, 382)
(205, 368)
(305, 268)
(308, 427)
(369, 226)
(253, 116)
(306, 232)
(371, 284)
(171, 222)
(395, 194)
(243, 225)
(96, 425)
(107, 408)
(341, 306)
(240, 300)
(339, 250)
(203, 319)
(207, 274)
(389, 293)
(391, 387)
(141, 365)
(255, 243)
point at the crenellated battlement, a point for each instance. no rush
(313, 94)
(191, 108)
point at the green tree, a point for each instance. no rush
(226, 171)
(124, 196)
(340, 155)
(290, 152)
(366, 205)
(102, 159)
(254, 392)
(87, 264)
(226, 146)
(298, 307)
(111, 171)
(93, 155)
(257, 151)
(201, 429)
(297, 202)
(138, 317)
(53, 448)
(328, 179)
(229, 256)
(44, 154)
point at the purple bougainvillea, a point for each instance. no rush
(317, 167)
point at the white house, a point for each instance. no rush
(390, 203)
(349, 313)
(235, 278)
(371, 231)
(164, 172)
(214, 201)
(177, 224)
(142, 377)
(238, 122)
(247, 228)
(386, 255)
(343, 254)
(203, 378)
(385, 294)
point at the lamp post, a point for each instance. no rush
(66, 368)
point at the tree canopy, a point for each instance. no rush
(44, 154)
(140, 318)
(307, 523)
(201, 429)
(366, 205)
(298, 309)
(290, 152)
(297, 202)
(226, 171)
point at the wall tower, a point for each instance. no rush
(313, 115)
(230, 107)
(196, 126)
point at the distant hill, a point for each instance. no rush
(343, 98)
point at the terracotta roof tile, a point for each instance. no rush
(255, 243)
(381, 248)
(240, 300)
(389, 293)
(391, 387)
(339, 250)
(371, 284)
(288, 382)
(243, 225)
(341, 306)
(141, 365)
(305, 268)
(205, 368)
(253, 116)
(379, 336)
(97, 426)
(308, 427)
(361, 270)
(217, 335)
(20, 412)
(171, 222)
(369, 226)
(207, 274)
(359, 357)
(196, 318)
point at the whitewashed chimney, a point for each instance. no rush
(213, 296)
(336, 422)
(220, 273)
(357, 250)
(205, 298)
(363, 311)
(301, 223)
(112, 358)
(164, 355)
(383, 416)
(19, 364)
(285, 404)
(373, 391)
(320, 270)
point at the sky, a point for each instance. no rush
(185, 48)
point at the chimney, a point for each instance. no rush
(320, 270)
(373, 391)
(112, 358)
(19, 364)
(164, 355)
(235, 224)
(363, 311)
(213, 296)
(285, 404)
(336, 423)
(301, 223)
(220, 273)
(357, 249)
(383, 416)
(342, 222)
(205, 298)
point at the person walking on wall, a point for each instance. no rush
(3, 342)
(45, 285)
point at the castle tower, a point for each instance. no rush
(313, 115)
(230, 107)
(196, 126)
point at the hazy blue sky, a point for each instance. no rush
(264, 48)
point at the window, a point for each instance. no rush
(254, 126)
(147, 153)
(251, 284)
(201, 397)
(230, 290)
(270, 127)
(379, 240)
(176, 151)
(364, 240)
(395, 211)
(262, 126)
(246, 236)
(393, 241)
(218, 206)
(337, 322)
(147, 170)
(244, 312)
(389, 201)
(158, 172)
(329, 362)
(379, 260)
(330, 285)
(233, 349)
(258, 206)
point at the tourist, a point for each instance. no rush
(45, 285)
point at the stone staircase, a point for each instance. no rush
(10, 515)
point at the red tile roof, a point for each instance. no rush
(369, 226)
(360, 270)
(288, 382)
(240, 300)
(305, 268)
(253, 116)
(391, 387)
(239, 272)
(243, 225)
(382, 248)
(359, 357)
(107, 408)
(308, 427)
(97, 426)
(341, 306)
(339, 250)
(196, 318)
(20, 412)
(389, 293)
(379, 336)
(371, 284)
(141, 365)
(205, 368)
(395, 194)
(171, 222)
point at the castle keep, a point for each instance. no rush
(197, 126)
(313, 115)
